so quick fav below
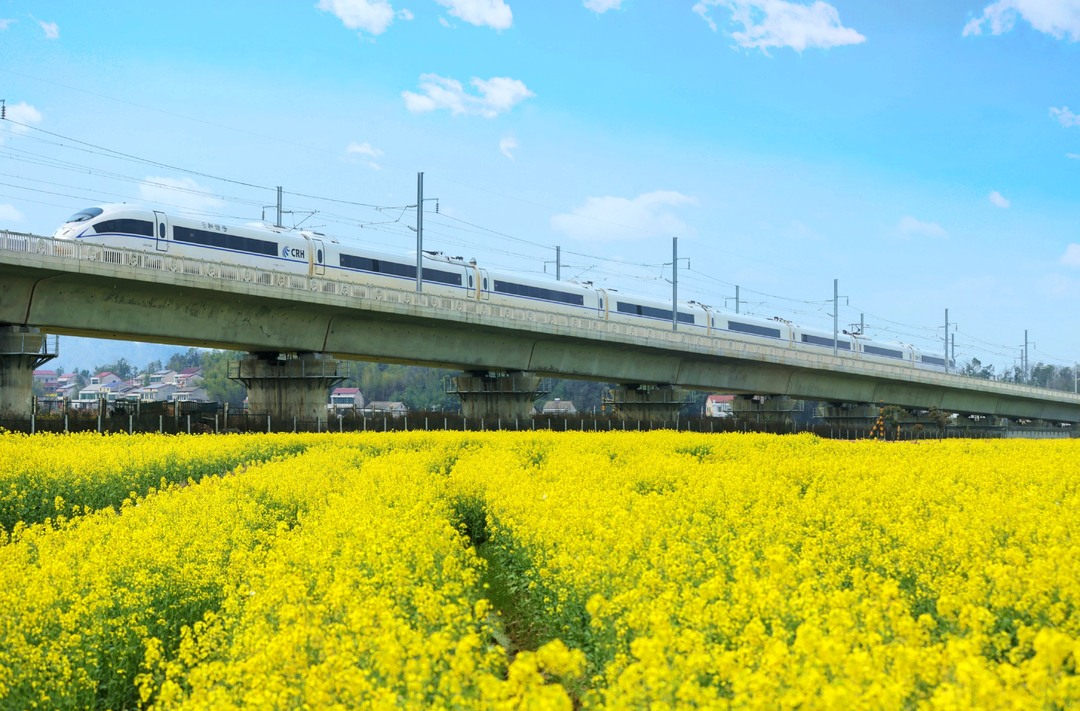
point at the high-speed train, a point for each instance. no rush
(316, 255)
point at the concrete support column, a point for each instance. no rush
(648, 403)
(766, 409)
(22, 350)
(501, 394)
(288, 385)
(849, 414)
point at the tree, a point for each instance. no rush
(191, 359)
(121, 369)
(216, 382)
(587, 395)
(975, 369)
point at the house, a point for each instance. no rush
(190, 394)
(719, 406)
(189, 377)
(559, 407)
(67, 386)
(384, 407)
(345, 399)
(157, 392)
(103, 386)
(163, 377)
(47, 379)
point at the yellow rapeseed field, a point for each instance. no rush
(540, 570)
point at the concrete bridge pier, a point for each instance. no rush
(649, 403)
(506, 395)
(766, 409)
(288, 385)
(22, 350)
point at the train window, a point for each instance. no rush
(318, 255)
(161, 230)
(884, 352)
(539, 292)
(381, 266)
(441, 276)
(932, 360)
(126, 226)
(626, 307)
(485, 283)
(222, 240)
(84, 215)
(827, 342)
(470, 281)
(754, 329)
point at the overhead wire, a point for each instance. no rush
(451, 229)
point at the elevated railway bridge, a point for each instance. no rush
(296, 331)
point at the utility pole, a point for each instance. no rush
(946, 340)
(558, 263)
(835, 315)
(674, 283)
(279, 225)
(419, 232)
(1025, 355)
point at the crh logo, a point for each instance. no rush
(292, 253)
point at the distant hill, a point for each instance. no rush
(79, 353)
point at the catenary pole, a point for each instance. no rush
(419, 232)
(674, 283)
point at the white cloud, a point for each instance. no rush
(602, 6)
(910, 227)
(495, 96)
(180, 192)
(22, 113)
(371, 16)
(998, 200)
(779, 23)
(365, 150)
(1074, 156)
(1065, 117)
(8, 213)
(4, 24)
(51, 29)
(605, 219)
(507, 146)
(1071, 257)
(1057, 18)
(492, 13)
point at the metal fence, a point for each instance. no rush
(207, 422)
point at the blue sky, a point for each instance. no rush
(923, 153)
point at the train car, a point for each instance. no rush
(814, 339)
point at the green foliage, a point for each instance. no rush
(192, 359)
(121, 369)
(975, 369)
(215, 373)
